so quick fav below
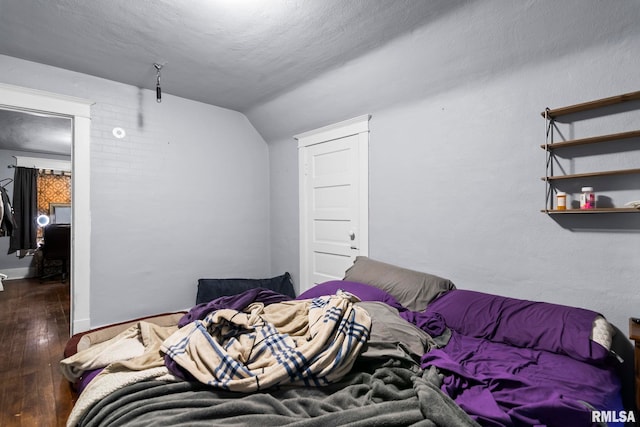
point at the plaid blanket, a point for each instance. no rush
(304, 342)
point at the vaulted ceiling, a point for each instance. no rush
(258, 56)
(229, 53)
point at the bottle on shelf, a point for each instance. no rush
(561, 201)
(587, 198)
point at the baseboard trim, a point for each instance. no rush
(80, 325)
(20, 273)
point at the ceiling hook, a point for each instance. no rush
(158, 89)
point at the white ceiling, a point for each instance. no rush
(229, 53)
(257, 56)
(36, 133)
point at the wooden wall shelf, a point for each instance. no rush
(550, 146)
(591, 105)
(590, 211)
(592, 140)
(591, 174)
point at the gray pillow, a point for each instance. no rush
(412, 289)
(392, 336)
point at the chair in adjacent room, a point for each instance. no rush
(56, 251)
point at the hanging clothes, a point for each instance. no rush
(3, 187)
(7, 223)
(2, 210)
(25, 204)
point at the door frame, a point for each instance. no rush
(79, 110)
(358, 126)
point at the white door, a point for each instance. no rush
(333, 201)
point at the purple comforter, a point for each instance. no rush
(502, 385)
(536, 382)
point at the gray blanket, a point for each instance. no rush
(390, 395)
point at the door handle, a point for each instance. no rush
(352, 235)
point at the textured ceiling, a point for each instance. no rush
(262, 57)
(22, 131)
(230, 53)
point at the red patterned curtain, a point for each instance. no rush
(52, 188)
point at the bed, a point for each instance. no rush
(386, 346)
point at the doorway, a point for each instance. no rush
(79, 111)
(333, 183)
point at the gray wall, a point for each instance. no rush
(183, 196)
(455, 162)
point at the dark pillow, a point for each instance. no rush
(210, 289)
(361, 290)
(412, 289)
(521, 323)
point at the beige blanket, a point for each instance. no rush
(306, 342)
(131, 356)
(103, 334)
(140, 340)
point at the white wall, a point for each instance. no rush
(183, 196)
(455, 162)
(285, 236)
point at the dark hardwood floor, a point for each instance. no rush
(34, 327)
